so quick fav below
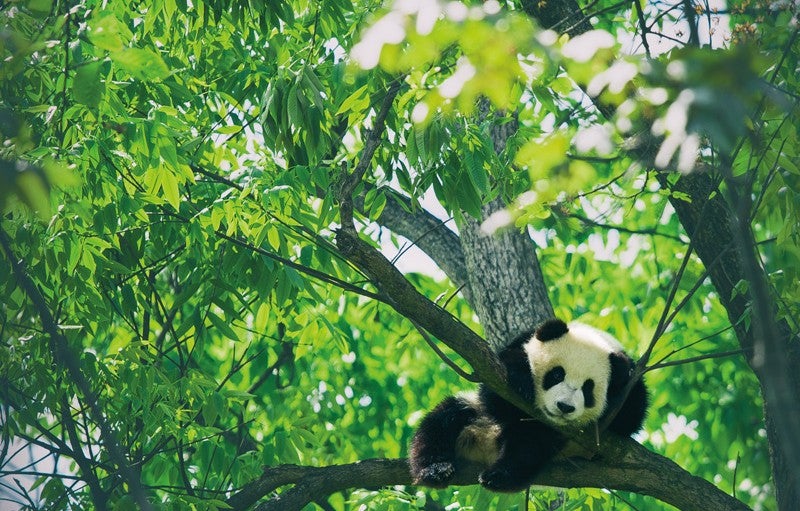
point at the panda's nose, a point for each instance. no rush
(565, 407)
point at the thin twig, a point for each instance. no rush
(350, 181)
(707, 356)
(644, 232)
(62, 355)
(643, 27)
(442, 355)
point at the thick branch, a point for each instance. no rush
(622, 464)
(409, 302)
(427, 232)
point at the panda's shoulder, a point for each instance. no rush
(519, 341)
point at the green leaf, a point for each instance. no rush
(210, 411)
(40, 6)
(376, 208)
(238, 395)
(355, 101)
(222, 326)
(229, 130)
(293, 106)
(141, 64)
(474, 166)
(108, 33)
(168, 152)
(170, 188)
(274, 238)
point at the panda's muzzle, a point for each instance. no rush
(563, 402)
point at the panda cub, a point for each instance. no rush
(572, 374)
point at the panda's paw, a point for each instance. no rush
(435, 475)
(500, 479)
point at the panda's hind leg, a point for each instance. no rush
(432, 455)
(525, 448)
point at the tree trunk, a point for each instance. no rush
(508, 290)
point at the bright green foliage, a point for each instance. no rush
(167, 179)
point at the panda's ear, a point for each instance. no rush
(551, 329)
(621, 365)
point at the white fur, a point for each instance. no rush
(583, 353)
(478, 441)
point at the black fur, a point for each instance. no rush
(432, 454)
(630, 417)
(551, 329)
(524, 445)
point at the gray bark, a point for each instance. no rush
(509, 293)
(431, 236)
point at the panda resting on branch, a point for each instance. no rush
(573, 374)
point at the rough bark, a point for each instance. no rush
(509, 293)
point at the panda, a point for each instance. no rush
(573, 374)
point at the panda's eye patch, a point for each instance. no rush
(553, 377)
(588, 393)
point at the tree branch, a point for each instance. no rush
(350, 181)
(442, 355)
(622, 464)
(431, 235)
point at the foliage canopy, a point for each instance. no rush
(178, 313)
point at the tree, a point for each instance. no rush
(207, 210)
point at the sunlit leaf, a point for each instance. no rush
(108, 33)
(141, 64)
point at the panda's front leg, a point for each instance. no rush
(525, 448)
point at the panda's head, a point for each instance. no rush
(573, 367)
